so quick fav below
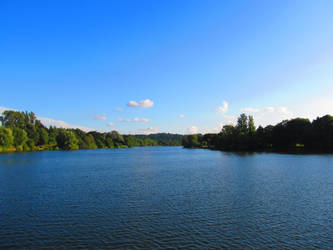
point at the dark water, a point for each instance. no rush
(165, 197)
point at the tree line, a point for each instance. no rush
(22, 131)
(297, 134)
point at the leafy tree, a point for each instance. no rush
(30, 145)
(20, 139)
(109, 141)
(33, 133)
(53, 133)
(43, 136)
(165, 139)
(6, 137)
(294, 134)
(99, 139)
(321, 136)
(90, 141)
(67, 140)
(117, 138)
(242, 124)
(251, 127)
(29, 134)
(228, 130)
(17, 119)
(193, 140)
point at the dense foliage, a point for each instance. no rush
(288, 135)
(165, 139)
(22, 131)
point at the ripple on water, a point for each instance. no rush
(165, 198)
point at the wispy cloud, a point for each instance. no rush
(140, 120)
(181, 116)
(111, 124)
(250, 110)
(100, 117)
(136, 119)
(229, 119)
(192, 130)
(315, 107)
(52, 122)
(223, 109)
(270, 115)
(145, 131)
(2, 109)
(62, 124)
(141, 104)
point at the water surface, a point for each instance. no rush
(158, 197)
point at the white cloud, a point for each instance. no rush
(52, 122)
(269, 115)
(142, 104)
(223, 109)
(140, 120)
(218, 128)
(192, 130)
(100, 117)
(2, 109)
(61, 124)
(181, 116)
(145, 131)
(133, 104)
(316, 107)
(111, 124)
(283, 110)
(269, 109)
(136, 119)
(250, 110)
(229, 119)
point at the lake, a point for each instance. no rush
(159, 197)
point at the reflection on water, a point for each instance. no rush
(165, 197)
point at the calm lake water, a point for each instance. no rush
(158, 197)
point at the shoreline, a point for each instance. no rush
(290, 151)
(13, 151)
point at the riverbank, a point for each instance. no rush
(298, 150)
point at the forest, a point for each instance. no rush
(22, 131)
(295, 135)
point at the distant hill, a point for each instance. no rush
(165, 139)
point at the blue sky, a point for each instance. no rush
(187, 66)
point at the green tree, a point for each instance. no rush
(90, 141)
(67, 140)
(193, 140)
(30, 145)
(99, 139)
(32, 133)
(53, 133)
(251, 126)
(228, 130)
(43, 136)
(6, 137)
(242, 124)
(17, 119)
(321, 136)
(20, 138)
(118, 139)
